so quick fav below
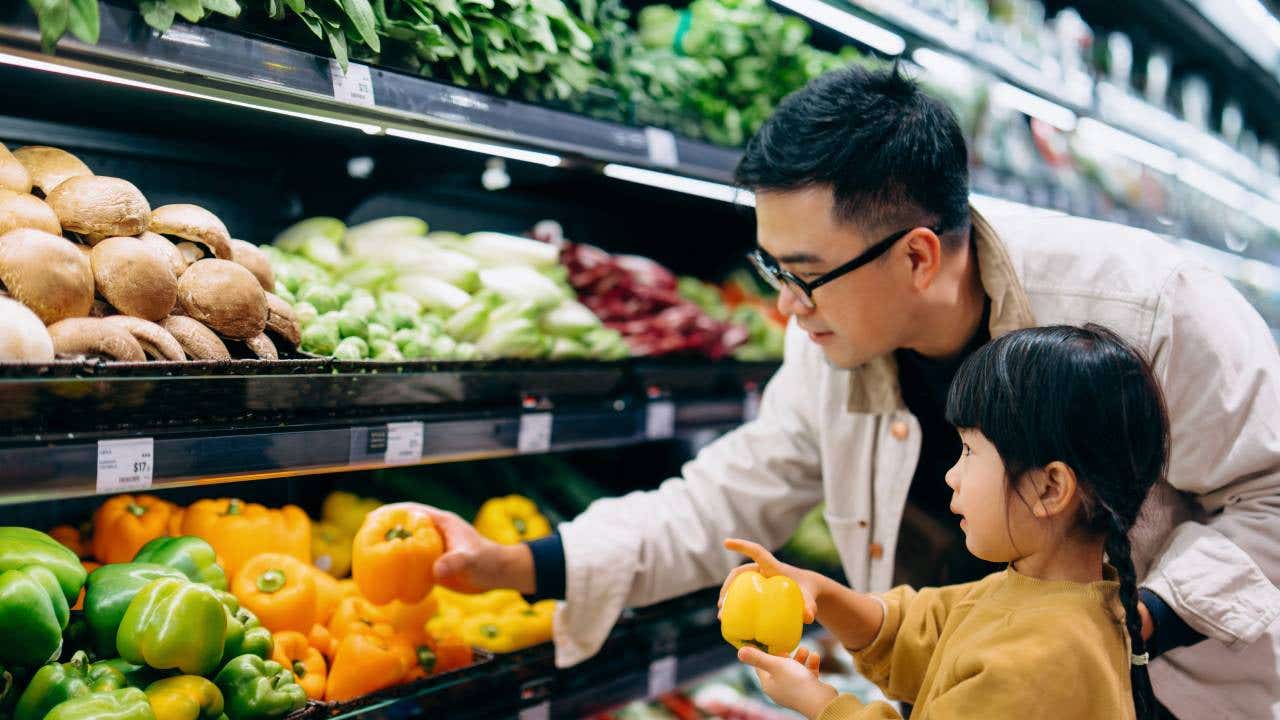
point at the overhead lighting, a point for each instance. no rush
(867, 33)
(679, 183)
(45, 66)
(1034, 105)
(511, 153)
(1135, 148)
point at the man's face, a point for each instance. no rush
(858, 316)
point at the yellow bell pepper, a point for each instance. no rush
(493, 632)
(511, 520)
(447, 621)
(331, 549)
(494, 601)
(767, 613)
(347, 510)
(185, 697)
(530, 624)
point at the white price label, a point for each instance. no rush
(751, 405)
(535, 433)
(125, 465)
(662, 147)
(541, 711)
(404, 443)
(660, 420)
(662, 676)
(355, 86)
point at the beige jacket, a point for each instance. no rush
(1208, 542)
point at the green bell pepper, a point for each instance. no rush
(124, 704)
(174, 623)
(20, 547)
(245, 633)
(107, 596)
(139, 676)
(33, 613)
(255, 689)
(185, 697)
(191, 555)
(56, 683)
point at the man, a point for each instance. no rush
(891, 279)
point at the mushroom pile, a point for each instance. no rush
(89, 269)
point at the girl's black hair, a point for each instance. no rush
(1084, 397)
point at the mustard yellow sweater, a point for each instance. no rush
(1008, 647)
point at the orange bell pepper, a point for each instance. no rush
(452, 653)
(71, 538)
(89, 566)
(238, 530)
(366, 662)
(175, 520)
(124, 523)
(348, 588)
(394, 553)
(328, 594)
(280, 590)
(410, 619)
(322, 640)
(292, 650)
(355, 614)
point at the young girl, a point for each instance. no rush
(1064, 431)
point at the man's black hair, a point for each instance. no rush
(886, 149)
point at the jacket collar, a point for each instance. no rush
(873, 387)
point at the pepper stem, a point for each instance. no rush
(426, 659)
(135, 509)
(234, 507)
(398, 533)
(299, 669)
(271, 581)
(490, 630)
(757, 645)
(521, 526)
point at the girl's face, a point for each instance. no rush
(995, 522)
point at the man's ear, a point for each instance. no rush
(924, 250)
(1056, 490)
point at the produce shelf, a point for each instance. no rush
(220, 65)
(250, 420)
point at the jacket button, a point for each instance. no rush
(863, 523)
(876, 551)
(899, 430)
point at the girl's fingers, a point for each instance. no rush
(813, 661)
(724, 587)
(761, 660)
(755, 551)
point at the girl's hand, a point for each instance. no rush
(766, 564)
(791, 683)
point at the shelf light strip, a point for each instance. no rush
(1034, 105)
(855, 27)
(1135, 148)
(45, 66)
(679, 183)
(529, 156)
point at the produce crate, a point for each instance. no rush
(457, 688)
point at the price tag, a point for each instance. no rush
(355, 86)
(541, 711)
(662, 676)
(662, 147)
(125, 465)
(535, 433)
(751, 405)
(404, 443)
(660, 420)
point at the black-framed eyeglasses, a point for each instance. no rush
(778, 278)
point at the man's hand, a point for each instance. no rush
(791, 683)
(473, 563)
(766, 564)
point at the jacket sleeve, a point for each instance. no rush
(1218, 365)
(899, 656)
(756, 482)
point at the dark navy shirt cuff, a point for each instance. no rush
(548, 568)
(1171, 631)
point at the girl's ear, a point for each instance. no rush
(1056, 490)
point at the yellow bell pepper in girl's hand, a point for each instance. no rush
(511, 520)
(767, 613)
(394, 554)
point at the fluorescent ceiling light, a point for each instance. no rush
(45, 66)
(1128, 145)
(1034, 105)
(855, 27)
(679, 183)
(529, 156)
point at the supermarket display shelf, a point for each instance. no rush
(207, 63)
(129, 429)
